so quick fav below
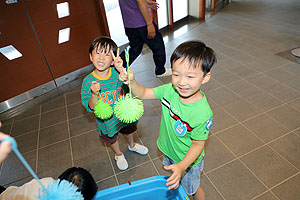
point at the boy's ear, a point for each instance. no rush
(206, 77)
(91, 58)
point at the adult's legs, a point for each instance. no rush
(135, 43)
(157, 47)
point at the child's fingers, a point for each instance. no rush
(118, 52)
(95, 83)
(112, 54)
(124, 71)
(174, 186)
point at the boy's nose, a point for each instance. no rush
(182, 81)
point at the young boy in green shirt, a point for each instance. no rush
(186, 114)
(104, 84)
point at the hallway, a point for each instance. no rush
(253, 149)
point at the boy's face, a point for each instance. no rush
(101, 59)
(187, 80)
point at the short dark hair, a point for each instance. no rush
(82, 179)
(101, 43)
(195, 52)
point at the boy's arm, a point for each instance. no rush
(141, 92)
(93, 100)
(95, 88)
(192, 154)
(142, 4)
(136, 88)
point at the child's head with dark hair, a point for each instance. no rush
(82, 179)
(101, 55)
(191, 63)
(196, 53)
(103, 44)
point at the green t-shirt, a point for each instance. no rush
(181, 123)
(111, 90)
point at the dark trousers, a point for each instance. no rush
(137, 37)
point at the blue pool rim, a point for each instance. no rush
(137, 185)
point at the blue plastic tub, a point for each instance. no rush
(145, 189)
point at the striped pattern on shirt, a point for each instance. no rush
(111, 90)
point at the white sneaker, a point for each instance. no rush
(168, 72)
(121, 162)
(138, 148)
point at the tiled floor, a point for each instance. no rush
(253, 150)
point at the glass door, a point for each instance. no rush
(115, 22)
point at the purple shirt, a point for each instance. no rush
(131, 14)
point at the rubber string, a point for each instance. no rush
(127, 67)
(15, 149)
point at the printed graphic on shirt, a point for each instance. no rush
(180, 128)
(176, 117)
(209, 123)
(112, 96)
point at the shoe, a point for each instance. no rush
(138, 148)
(121, 162)
(168, 72)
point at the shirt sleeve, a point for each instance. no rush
(159, 91)
(86, 94)
(201, 132)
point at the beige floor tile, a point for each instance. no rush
(288, 147)
(265, 127)
(222, 120)
(241, 110)
(264, 101)
(264, 163)
(288, 190)
(239, 140)
(216, 154)
(234, 181)
(287, 116)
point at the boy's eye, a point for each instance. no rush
(175, 74)
(190, 76)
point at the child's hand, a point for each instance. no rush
(5, 147)
(174, 179)
(124, 76)
(95, 87)
(117, 60)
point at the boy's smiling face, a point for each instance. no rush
(187, 80)
(102, 59)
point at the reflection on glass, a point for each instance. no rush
(180, 9)
(10, 52)
(63, 35)
(180, 31)
(62, 9)
(162, 13)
